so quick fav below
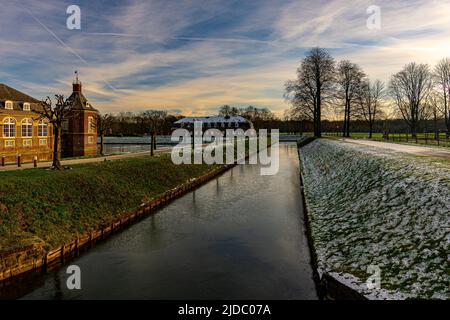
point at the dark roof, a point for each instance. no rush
(79, 102)
(17, 97)
(8, 93)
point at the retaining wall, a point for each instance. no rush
(35, 258)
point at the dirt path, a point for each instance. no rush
(419, 150)
(85, 160)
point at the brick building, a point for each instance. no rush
(80, 132)
(22, 132)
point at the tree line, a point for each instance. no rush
(160, 121)
(416, 94)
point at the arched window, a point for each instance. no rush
(27, 128)
(26, 106)
(42, 129)
(9, 128)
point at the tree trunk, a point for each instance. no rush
(348, 121)
(414, 131)
(152, 145)
(370, 130)
(345, 129)
(446, 109)
(318, 129)
(435, 120)
(317, 126)
(345, 121)
(102, 144)
(57, 148)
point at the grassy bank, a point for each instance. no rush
(51, 207)
(369, 206)
(402, 138)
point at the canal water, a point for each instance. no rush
(118, 145)
(240, 236)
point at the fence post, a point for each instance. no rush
(19, 162)
(3, 161)
(44, 263)
(62, 253)
(35, 161)
(77, 252)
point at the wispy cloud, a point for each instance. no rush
(195, 55)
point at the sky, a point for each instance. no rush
(191, 57)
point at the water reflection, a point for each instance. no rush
(126, 148)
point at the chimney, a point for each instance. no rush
(76, 83)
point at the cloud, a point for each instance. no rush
(196, 55)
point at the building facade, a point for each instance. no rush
(79, 136)
(25, 136)
(23, 133)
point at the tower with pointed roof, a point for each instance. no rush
(80, 131)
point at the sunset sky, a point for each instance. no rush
(193, 56)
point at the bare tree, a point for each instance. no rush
(369, 102)
(226, 110)
(155, 120)
(301, 101)
(432, 111)
(349, 78)
(410, 89)
(442, 80)
(313, 86)
(56, 114)
(104, 123)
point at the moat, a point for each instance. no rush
(240, 236)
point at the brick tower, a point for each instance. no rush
(79, 136)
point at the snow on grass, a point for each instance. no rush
(373, 206)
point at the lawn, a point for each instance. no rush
(51, 207)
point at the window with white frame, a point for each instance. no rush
(9, 143)
(9, 105)
(42, 142)
(9, 127)
(42, 129)
(91, 125)
(27, 128)
(26, 106)
(27, 142)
